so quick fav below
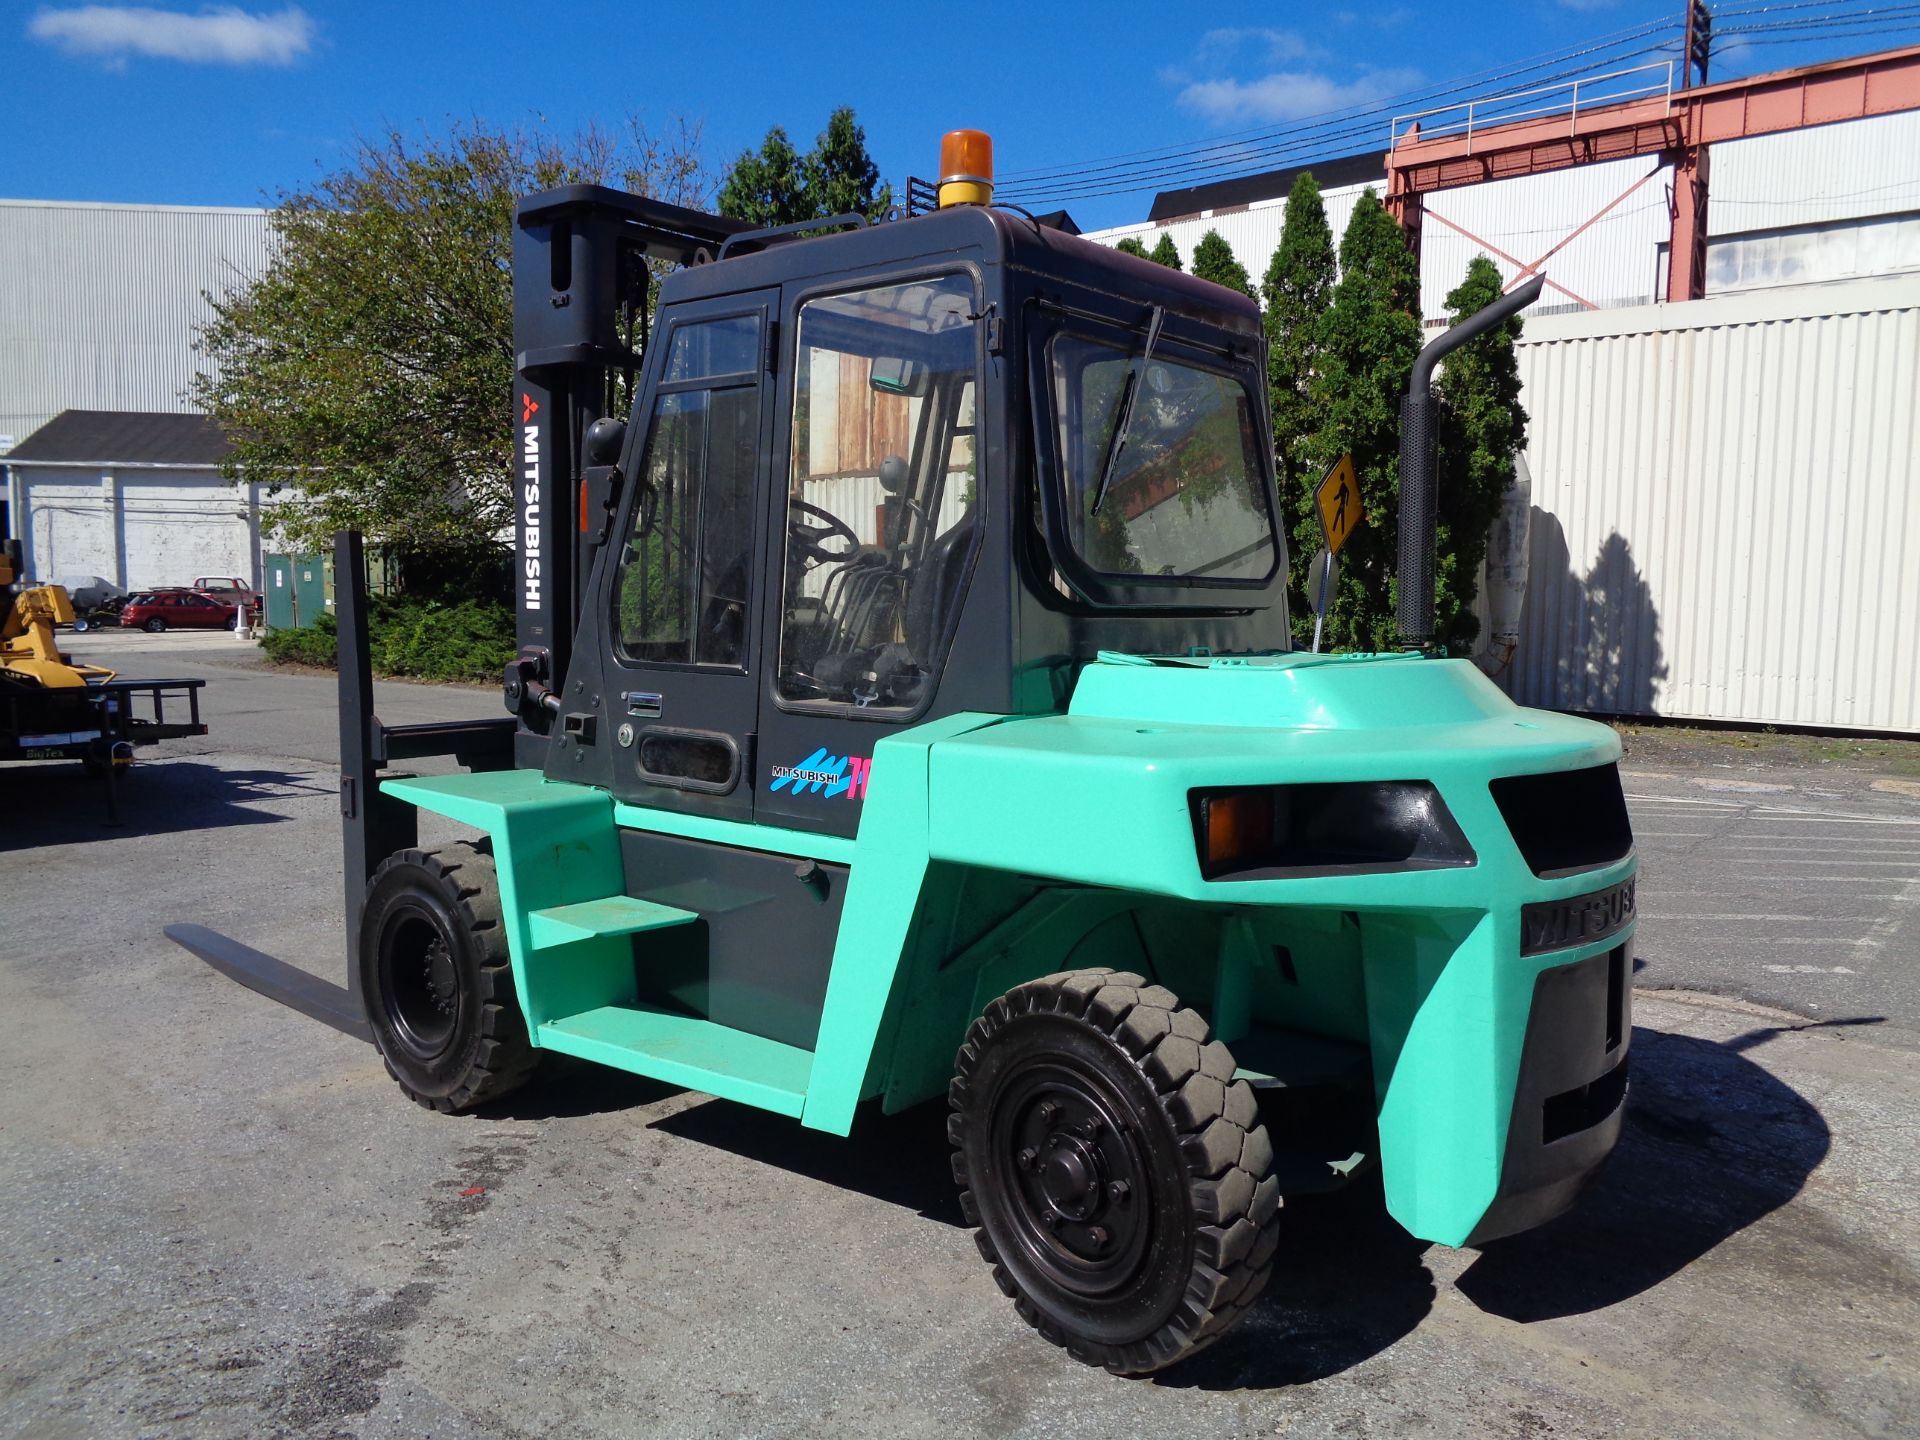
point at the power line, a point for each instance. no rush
(1307, 143)
(1490, 76)
(1317, 136)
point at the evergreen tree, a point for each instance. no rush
(767, 187)
(1213, 259)
(1295, 295)
(1481, 426)
(841, 178)
(776, 185)
(1166, 253)
(1373, 335)
(1132, 246)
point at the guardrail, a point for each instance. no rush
(1489, 110)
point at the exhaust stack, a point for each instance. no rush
(1419, 489)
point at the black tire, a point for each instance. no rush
(233, 621)
(81, 624)
(1137, 1277)
(154, 626)
(436, 980)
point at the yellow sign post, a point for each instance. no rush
(1337, 498)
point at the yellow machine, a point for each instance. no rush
(27, 647)
(54, 709)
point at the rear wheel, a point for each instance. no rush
(1118, 1174)
(436, 980)
(154, 626)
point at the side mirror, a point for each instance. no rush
(600, 477)
(605, 436)
(895, 376)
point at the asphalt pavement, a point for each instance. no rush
(220, 1219)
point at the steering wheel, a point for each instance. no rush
(810, 540)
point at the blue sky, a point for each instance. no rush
(232, 104)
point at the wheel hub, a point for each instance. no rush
(1071, 1177)
(421, 984)
(1076, 1178)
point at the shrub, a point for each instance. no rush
(315, 646)
(430, 639)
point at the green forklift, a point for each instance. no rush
(905, 705)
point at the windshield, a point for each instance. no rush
(1187, 493)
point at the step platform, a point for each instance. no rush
(614, 915)
(685, 1050)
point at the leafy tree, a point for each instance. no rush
(1481, 426)
(1372, 337)
(1132, 246)
(1166, 253)
(776, 185)
(1213, 259)
(1295, 295)
(365, 374)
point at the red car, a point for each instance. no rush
(157, 610)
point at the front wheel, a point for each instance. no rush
(436, 980)
(154, 626)
(1118, 1174)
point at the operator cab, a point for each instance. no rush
(894, 472)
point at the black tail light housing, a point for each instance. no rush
(1370, 826)
(1566, 822)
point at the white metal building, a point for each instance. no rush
(99, 306)
(1832, 203)
(135, 497)
(99, 303)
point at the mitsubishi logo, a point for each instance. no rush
(529, 407)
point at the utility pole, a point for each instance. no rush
(1687, 247)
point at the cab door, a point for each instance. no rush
(683, 607)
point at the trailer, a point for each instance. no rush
(905, 707)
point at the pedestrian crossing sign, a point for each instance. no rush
(1337, 498)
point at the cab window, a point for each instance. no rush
(883, 505)
(681, 593)
(1181, 494)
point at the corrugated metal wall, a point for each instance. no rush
(1726, 517)
(99, 303)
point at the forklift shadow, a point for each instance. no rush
(1712, 1143)
(56, 803)
(900, 1159)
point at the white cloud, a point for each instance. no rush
(1271, 47)
(1292, 95)
(1586, 5)
(218, 35)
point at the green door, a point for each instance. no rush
(279, 600)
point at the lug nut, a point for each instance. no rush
(1119, 1191)
(1097, 1235)
(1029, 1157)
(1048, 1109)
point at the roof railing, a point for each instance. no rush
(1489, 110)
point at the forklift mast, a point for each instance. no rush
(581, 277)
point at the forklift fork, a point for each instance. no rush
(373, 825)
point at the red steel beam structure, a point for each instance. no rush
(1678, 127)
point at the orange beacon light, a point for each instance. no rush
(966, 168)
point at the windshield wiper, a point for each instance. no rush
(1118, 441)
